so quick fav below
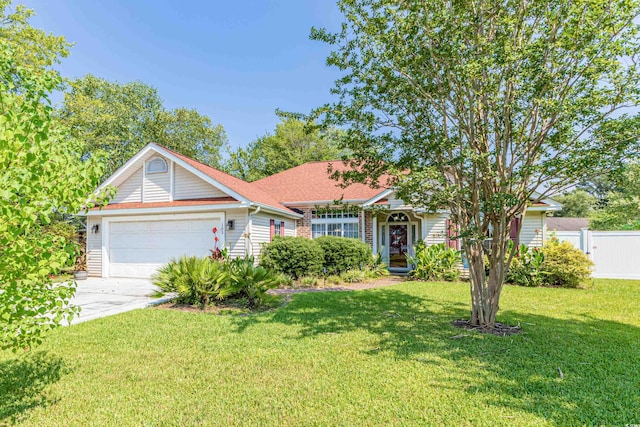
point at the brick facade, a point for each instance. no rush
(304, 224)
(368, 228)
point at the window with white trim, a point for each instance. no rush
(333, 222)
(156, 165)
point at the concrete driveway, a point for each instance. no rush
(98, 297)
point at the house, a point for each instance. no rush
(567, 224)
(167, 205)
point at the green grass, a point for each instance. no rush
(374, 357)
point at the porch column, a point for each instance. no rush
(374, 233)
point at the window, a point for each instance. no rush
(333, 222)
(398, 217)
(156, 165)
(276, 228)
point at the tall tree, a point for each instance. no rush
(41, 176)
(484, 107)
(293, 143)
(122, 118)
(576, 204)
(622, 210)
(34, 48)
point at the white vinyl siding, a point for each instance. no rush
(94, 247)
(261, 230)
(189, 186)
(131, 189)
(531, 232)
(395, 203)
(157, 187)
(435, 229)
(236, 240)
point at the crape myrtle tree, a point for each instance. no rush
(484, 107)
(41, 177)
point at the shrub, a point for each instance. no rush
(242, 278)
(377, 267)
(204, 280)
(196, 280)
(294, 256)
(526, 268)
(353, 276)
(565, 265)
(342, 254)
(334, 279)
(309, 281)
(435, 262)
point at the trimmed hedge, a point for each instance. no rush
(299, 256)
(294, 256)
(343, 254)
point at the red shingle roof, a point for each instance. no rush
(311, 182)
(243, 188)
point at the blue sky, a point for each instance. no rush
(234, 61)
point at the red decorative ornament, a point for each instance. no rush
(215, 230)
(216, 239)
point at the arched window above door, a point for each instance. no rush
(398, 217)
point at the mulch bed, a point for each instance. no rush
(499, 328)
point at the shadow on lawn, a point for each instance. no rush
(22, 382)
(600, 380)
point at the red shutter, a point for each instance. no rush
(513, 229)
(452, 233)
(272, 229)
(282, 228)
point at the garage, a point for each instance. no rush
(137, 248)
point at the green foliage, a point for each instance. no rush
(32, 48)
(526, 267)
(41, 177)
(334, 279)
(622, 208)
(576, 204)
(244, 279)
(477, 106)
(293, 143)
(294, 256)
(354, 276)
(203, 281)
(196, 280)
(123, 118)
(435, 262)
(309, 281)
(342, 254)
(377, 267)
(565, 265)
(555, 264)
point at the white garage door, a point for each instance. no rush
(139, 248)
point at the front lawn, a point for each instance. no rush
(374, 357)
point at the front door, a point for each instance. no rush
(398, 246)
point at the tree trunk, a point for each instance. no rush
(486, 290)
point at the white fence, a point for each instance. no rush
(616, 254)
